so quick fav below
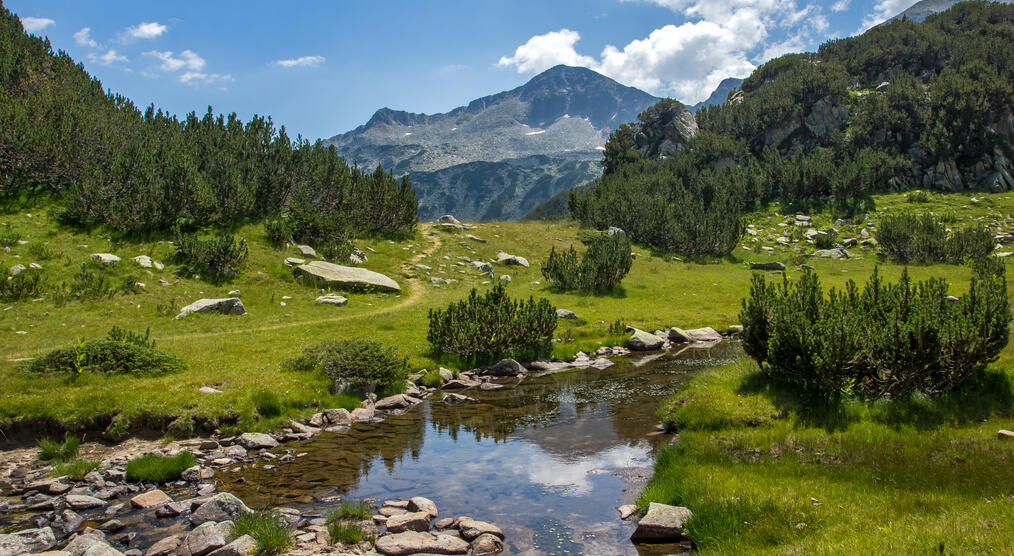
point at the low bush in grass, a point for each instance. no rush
(431, 379)
(907, 237)
(120, 353)
(76, 469)
(269, 532)
(825, 240)
(887, 340)
(355, 366)
(51, 450)
(484, 328)
(343, 522)
(216, 259)
(601, 268)
(159, 469)
(28, 284)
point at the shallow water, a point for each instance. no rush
(547, 460)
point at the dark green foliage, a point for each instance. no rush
(213, 259)
(51, 450)
(268, 530)
(267, 403)
(118, 334)
(493, 325)
(87, 285)
(150, 468)
(75, 469)
(355, 366)
(888, 340)
(9, 239)
(825, 240)
(923, 238)
(617, 328)
(278, 230)
(28, 284)
(601, 267)
(132, 356)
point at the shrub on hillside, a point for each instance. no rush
(601, 267)
(493, 325)
(886, 340)
(355, 365)
(923, 238)
(27, 284)
(120, 353)
(214, 259)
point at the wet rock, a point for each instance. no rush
(83, 542)
(661, 522)
(409, 521)
(205, 538)
(626, 510)
(256, 441)
(225, 306)
(338, 417)
(458, 398)
(773, 265)
(413, 542)
(644, 341)
(83, 502)
(506, 367)
(165, 547)
(235, 451)
(362, 414)
(242, 546)
(565, 314)
(150, 499)
(191, 474)
(486, 544)
(398, 401)
(460, 384)
(67, 522)
(28, 541)
(490, 386)
(388, 511)
(472, 529)
(52, 486)
(706, 334)
(112, 526)
(102, 549)
(221, 507)
(421, 504)
(445, 523)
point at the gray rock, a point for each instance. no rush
(626, 511)
(458, 398)
(413, 542)
(256, 440)
(486, 544)
(644, 341)
(508, 259)
(448, 219)
(150, 499)
(226, 306)
(191, 474)
(101, 548)
(331, 299)
(105, 258)
(209, 390)
(445, 374)
(81, 543)
(205, 538)
(362, 414)
(706, 334)
(306, 251)
(613, 230)
(67, 522)
(323, 274)
(339, 416)
(472, 528)
(83, 502)
(421, 504)
(773, 265)
(17, 269)
(565, 314)
(837, 253)
(27, 541)
(661, 522)
(408, 521)
(243, 546)
(477, 239)
(143, 261)
(397, 401)
(506, 367)
(165, 547)
(222, 507)
(294, 261)
(483, 267)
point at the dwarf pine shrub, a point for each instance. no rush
(493, 325)
(601, 268)
(886, 340)
(907, 237)
(214, 259)
(356, 366)
(122, 352)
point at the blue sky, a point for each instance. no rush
(322, 68)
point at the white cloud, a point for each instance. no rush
(303, 61)
(187, 59)
(145, 30)
(84, 38)
(198, 78)
(36, 24)
(840, 6)
(542, 52)
(107, 59)
(884, 10)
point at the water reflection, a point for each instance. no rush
(547, 460)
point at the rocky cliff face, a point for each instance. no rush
(921, 10)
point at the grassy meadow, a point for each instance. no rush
(242, 355)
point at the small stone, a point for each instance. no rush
(332, 299)
(82, 502)
(420, 504)
(150, 499)
(486, 544)
(661, 522)
(565, 314)
(626, 510)
(414, 521)
(256, 441)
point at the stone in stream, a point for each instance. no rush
(323, 274)
(626, 510)
(457, 398)
(150, 499)
(471, 528)
(661, 522)
(420, 504)
(221, 507)
(397, 401)
(205, 538)
(83, 502)
(644, 341)
(102, 548)
(486, 544)
(28, 541)
(408, 521)
(506, 367)
(460, 384)
(774, 265)
(67, 522)
(256, 440)
(165, 547)
(706, 334)
(225, 306)
(84, 542)
(339, 416)
(413, 542)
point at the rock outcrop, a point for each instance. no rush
(324, 274)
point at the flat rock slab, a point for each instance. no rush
(471, 528)
(150, 499)
(325, 274)
(412, 542)
(397, 401)
(332, 299)
(767, 266)
(105, 258)
(706, 334)
(662, 522)
(82, 502)
(226, 306)
(256, 440)
(408, 521)
(28, 541)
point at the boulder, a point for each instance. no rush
(837, 253)
(485, 545)
(256, 440)
(661, 522)
(323, 274)
(472, 529)
(81, 543)
(613, 230)
(294, 261)
(420, 504)
(105, 258)
(165, 547)
(306, 251)
(644, 341)
(508, 259)
(706, 334)
(339, 416)
(222, 507)
(27, 541)
(397, 401)
(361, 414)
(408, 521)
(483, 267)
(565, 314)
(150, 499)
(458, 398)
(460, 384)
(205, 538)
(448, 219)
(506, 367)
(243, 546)
(66, 522)
(773, 265)
(101, 548)
(225, 305)
(413, 542)
(83, 502)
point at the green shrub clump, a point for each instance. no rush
(493, 325)
(119, 354)
(215, 259)
(51, 450)
(888, 340)
(356, 366)
(601, 268)
(159, 469)
(908, 237)
(75, 469)
(343, 522)
(267, 529)
(27, 284)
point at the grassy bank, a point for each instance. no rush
(763, 475)
(243, 355)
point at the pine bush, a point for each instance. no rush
(907, 237)
(213, 259)
(601, 268)
(355, 366)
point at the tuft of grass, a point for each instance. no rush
(159, 469)
(432, 379)
(358, 509)
(342, 522)
(272, 535)
(76, 469)
(267, 404)
(51, 450)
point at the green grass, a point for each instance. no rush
(342, 522)
(270, 533)
(267, 404)
(431, 379)
(241, 355)
(763, 475)
(159, 469)
(75, 469)
(51, 450)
